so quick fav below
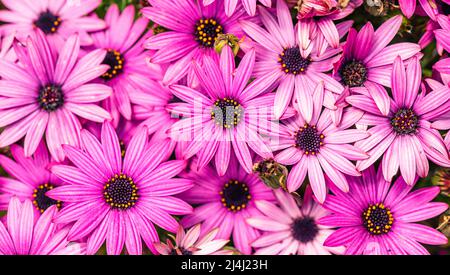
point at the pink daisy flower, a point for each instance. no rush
(283, 63)
(317, 147)
(58, 19)
(117, 199)
(229, 114)
(225, 202)
(191, 36)
(377, 218)
(401, 131)
(436, 30)
(123, 41)
(290, 229)
(190, 243)
(44, 95)
(30, 180)
(27, 233)
(443, 69)
(249, 5)
(408, 7)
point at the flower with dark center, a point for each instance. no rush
(115, 61)
(304, 229)
(41, 201)
(292, 61)
(48, 22)
(120, 192)
(51, 97)
(405, 122)
(235, 195)
(227, 112)
(377, 219)
(207, 31)
(353, 73)
(308, 139)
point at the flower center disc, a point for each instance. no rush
(41, 201)
(353, 73)
(292, 61)
(227, 112)
(308, 139)
(235, 195)
(207, 31)
(48, 22)
(405, 122)
(377, 219)
(120, 192)
(115, 61)
(304, 229)
(50, 97)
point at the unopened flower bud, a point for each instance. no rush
(227, 39)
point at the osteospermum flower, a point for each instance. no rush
(58, 19)
(26, 233)
(31, 178)
(44, 95)
(408, 7)
(401, 131)
(437, 30)
(283, 63)
(318, 147)
(126, 57)
(249, 5)
(117, 199)
(375, 217)
(190, 243)
(290, 229)
(225, 202)
(191, 36)
(442, 67)
(228, 115)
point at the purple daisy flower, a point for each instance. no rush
(443, 69)
(117, 199)
(249, 5)
(27, 233)
(58, 19)
(31, 178)
(317, 147)
(225, 202)
(377, 218)
(437, 30)
(126, 57)
(44, 95)
(283, 63)
(191, 36)
(290, 229)
(228, 114)
(408, 7)
(401, 131)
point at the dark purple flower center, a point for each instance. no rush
(48, 22)
(405, 122)
(41, 201)
(235, 195)
(115, 61)
(227, 112)
(304, 229)
(292, 61)
(353, 73)
(120, 192)
(445, 8)
(180, 251)
(207, 31)
(51, 97)
(377, 219)
(308, 139)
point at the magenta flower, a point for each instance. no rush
(191, 36)
(225, 202)
(117, 199)
(126, 57)
(31, 178)
(58, 19)
(318, 147)
(229, 114)
(44, 95)
(401, 131)
(290, 229)
(443, 68)
(408, 7)
(190, 243)
(249, 5)
(281, 62)
(27, 233)
(6, 49)
(437, 30)
(377, 218)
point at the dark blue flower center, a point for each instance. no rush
(227, 112)
(120, 192)
(292, 62)
(405, 122)
(304, 229)
(51, 97)
(353, 73)
(377, 219)
(308, 139)
(207, 31)
(235, 195)
(48, 22)
(41, 201)
(116, 62)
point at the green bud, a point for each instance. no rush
(227, 39)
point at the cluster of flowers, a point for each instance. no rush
(204, 118)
